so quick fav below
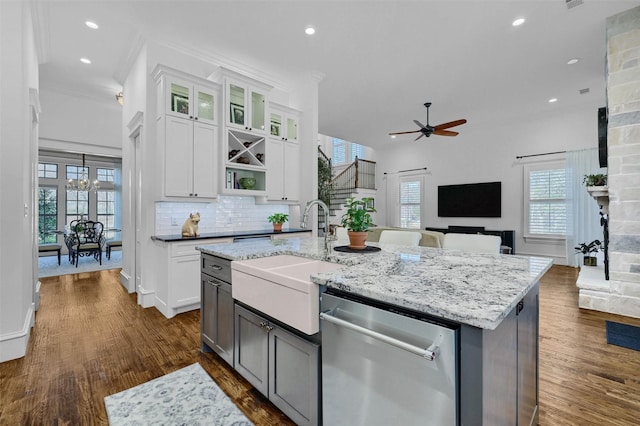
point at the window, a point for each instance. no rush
(106, 208)
(77, 205)
(105, 175)
(410, 199)
(339, 155)
(356, 150)
(47, 215)
(47, 170)
(75, 172)
(546, 202)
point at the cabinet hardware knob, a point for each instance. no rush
(263, 324)
(195, 195)
(268, 328)
(215, 267)
(195, 118)
(214, 283)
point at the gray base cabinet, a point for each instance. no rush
(216, 313)
(280, 364)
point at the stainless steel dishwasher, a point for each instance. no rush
(385, 366)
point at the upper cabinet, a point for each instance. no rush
(246, 107)
(187, 131)
(185, 99)
(283, 123)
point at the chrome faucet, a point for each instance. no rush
(305, 216)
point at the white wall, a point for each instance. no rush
(18, 143)
(486, 152)
(80, 124)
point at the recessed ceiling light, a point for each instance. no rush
(393, 136)
(573, 61)
(91, 25)
(518, 22)
(552, 100)
(309, 31)
(85, 60)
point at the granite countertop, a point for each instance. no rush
(229, 234)
(474, 289)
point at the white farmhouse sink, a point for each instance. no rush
(280, 287)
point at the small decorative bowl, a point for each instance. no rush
(248, 182)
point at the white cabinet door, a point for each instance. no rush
(178, 157)
(205, 160)
(291, 168)
(275, 170)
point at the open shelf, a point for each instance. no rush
(245, 148)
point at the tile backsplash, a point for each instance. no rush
(228, 213)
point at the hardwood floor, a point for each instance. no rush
(91, 340)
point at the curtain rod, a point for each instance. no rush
(537, 155)
(408, 170)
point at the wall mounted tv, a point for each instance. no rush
(470, 200)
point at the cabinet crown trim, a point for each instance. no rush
(162, 70)
(229, 73)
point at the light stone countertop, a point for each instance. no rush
(474, 289)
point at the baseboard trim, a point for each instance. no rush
(14, 345)
(125, 280)
(146, 298)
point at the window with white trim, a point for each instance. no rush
(545, 200)
(343, 152)
(410, 202)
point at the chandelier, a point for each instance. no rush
(83, 184)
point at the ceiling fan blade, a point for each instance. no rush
(449, 124)
(445, 133)
(422, 126)
(421, 135)
(404, 133)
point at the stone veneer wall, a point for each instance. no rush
(623, 92)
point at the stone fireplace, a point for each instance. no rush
(621, 293)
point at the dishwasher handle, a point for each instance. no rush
(429, 353)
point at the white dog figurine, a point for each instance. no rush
(190, 227)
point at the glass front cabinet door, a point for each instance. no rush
(190, 101)
(246, 107)
(283, 123)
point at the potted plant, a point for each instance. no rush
(357, 220)
(595, 180)
(278, 219)
(587, 249)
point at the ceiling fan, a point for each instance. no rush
(435, 130)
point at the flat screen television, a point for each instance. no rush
(470, 200)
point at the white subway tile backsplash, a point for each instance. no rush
(230, 213)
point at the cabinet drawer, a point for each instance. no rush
(217, 267)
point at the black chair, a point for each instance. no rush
(85, 239)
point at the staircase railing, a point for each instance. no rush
(359, 174)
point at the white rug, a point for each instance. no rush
(185, 397)
(48, 265)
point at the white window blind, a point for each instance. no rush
(547, 205)
(339, 152)
(356, 150)
(410, 199)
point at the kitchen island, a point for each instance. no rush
(493, 300)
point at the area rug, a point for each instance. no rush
(627, 336)
(48, 265)
(185, 397)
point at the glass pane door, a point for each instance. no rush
(205, 106)
(292, 129)
(236, 104)
(179, 99)
(276, 125)
(257, 111)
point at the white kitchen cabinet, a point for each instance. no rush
(177, 274)
(246, 105)
(283, 123)
(283, 155)
(280, 364)
(190, 156)
(187, 131)
(189, 100)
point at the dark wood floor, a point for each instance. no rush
(91, 340)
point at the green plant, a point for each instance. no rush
(278, 218)
(357, 217)
(587, 249)
(595, 180)
(325, 174)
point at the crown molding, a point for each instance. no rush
(39, 17)
(127, 60)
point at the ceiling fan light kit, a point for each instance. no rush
(428, 130)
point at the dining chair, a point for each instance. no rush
(475, 243)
